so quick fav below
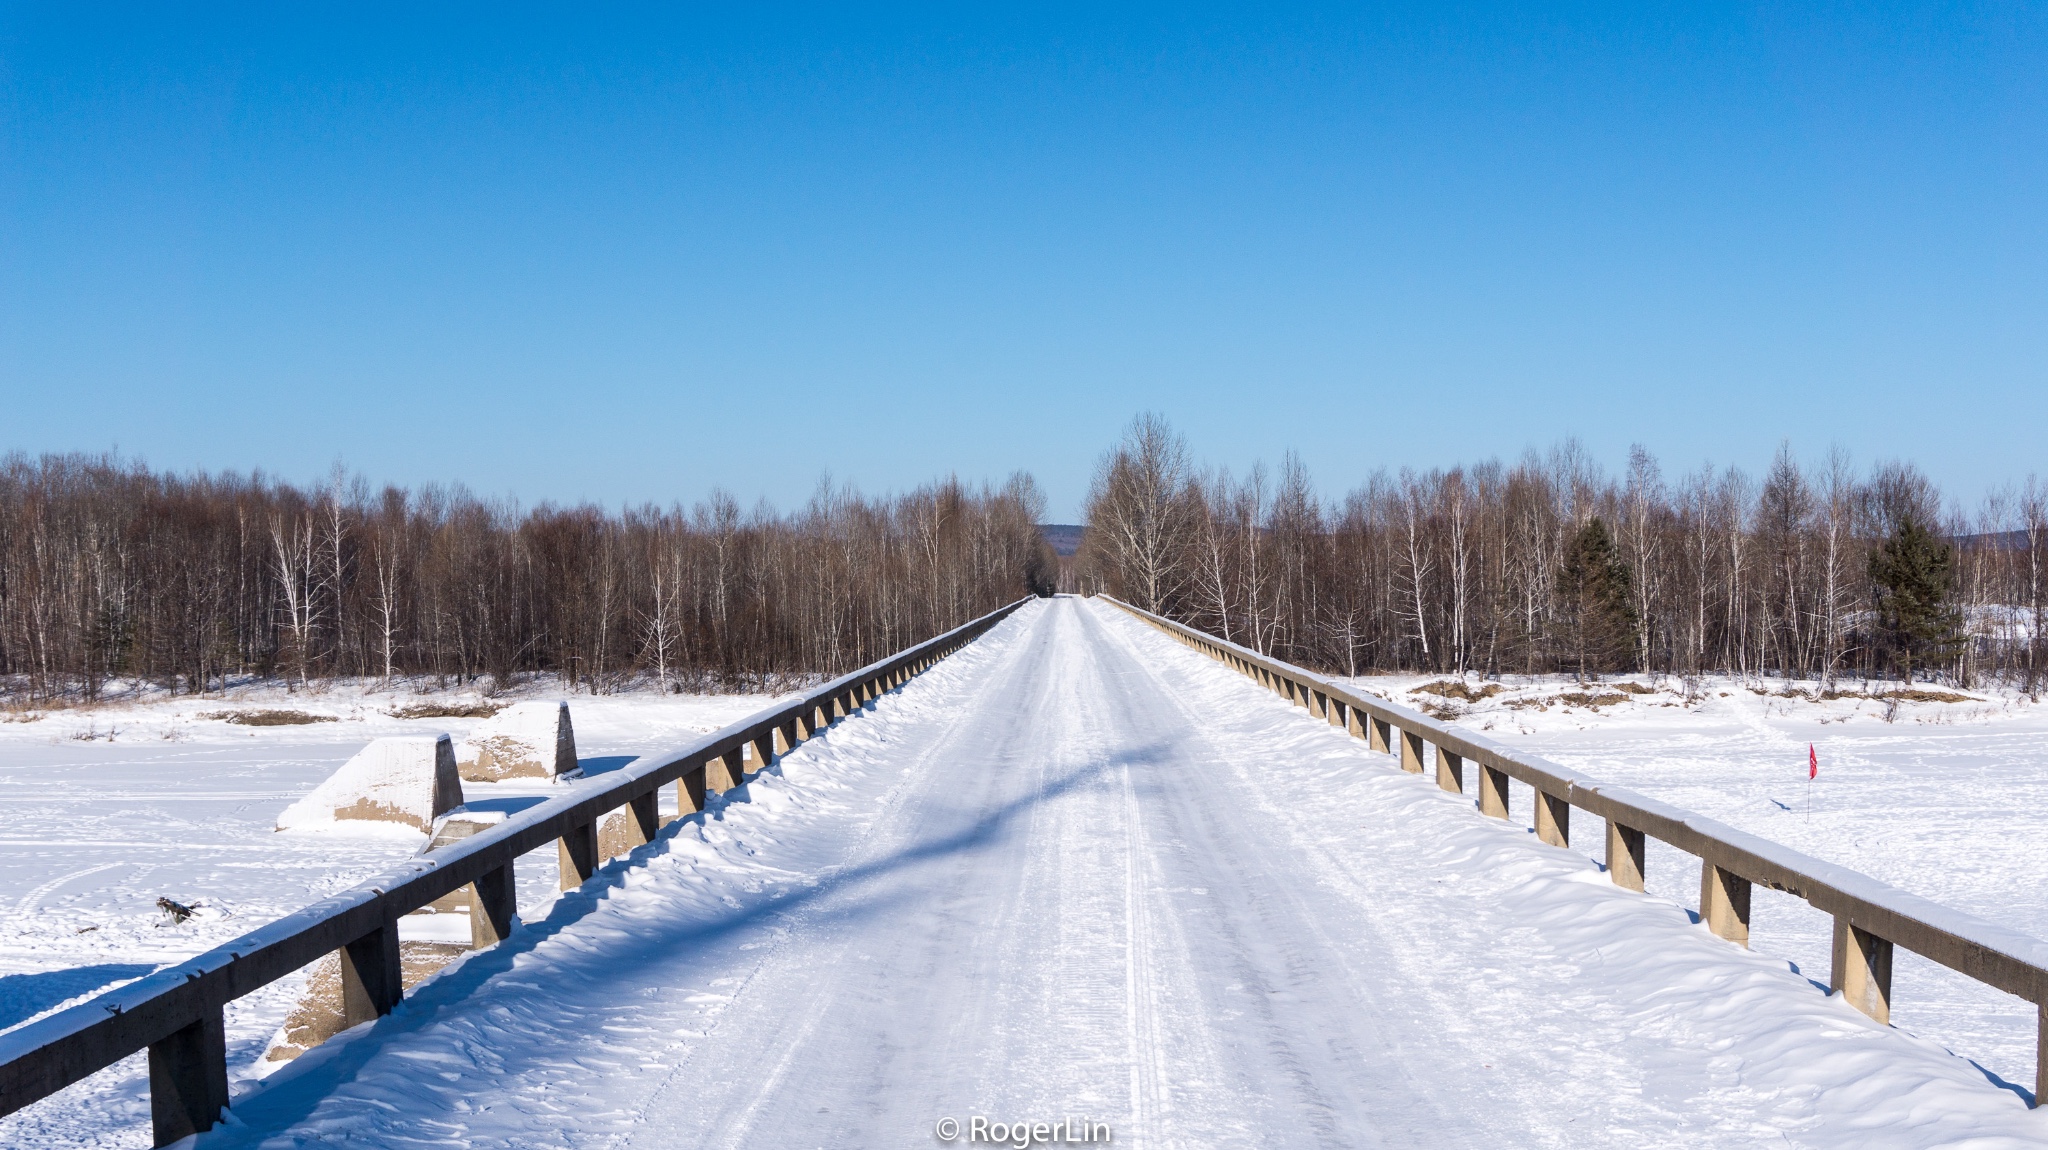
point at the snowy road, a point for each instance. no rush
(1079, 872)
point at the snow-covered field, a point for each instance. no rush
(1078, 871)
(1947, 799)
(105, 810)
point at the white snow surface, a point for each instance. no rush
(1079, 871)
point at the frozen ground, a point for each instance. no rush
(1078, 871)
(94, 830)
(1945, 799)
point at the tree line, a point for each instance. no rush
(1811, 571)
(110, 571)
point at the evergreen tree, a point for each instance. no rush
(1598, 606)
(1914, 574)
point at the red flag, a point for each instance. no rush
(1812, 763)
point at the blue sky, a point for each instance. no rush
(636, 254)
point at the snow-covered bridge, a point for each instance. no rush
(1077, 873)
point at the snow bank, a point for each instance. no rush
(403, 781)
(525, 740)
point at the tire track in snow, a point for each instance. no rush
(33, 899)
(775, 1041)
(1277, 944)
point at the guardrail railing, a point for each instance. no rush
(1871, 917)
(176, 1013)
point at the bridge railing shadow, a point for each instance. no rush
(855, 891)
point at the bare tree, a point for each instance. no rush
(2033, 514)
(296, 557)
(1837, 533)
(1141, 513)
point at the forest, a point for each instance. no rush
(113, 573)
(1815, 572)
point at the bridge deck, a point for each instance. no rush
(1079, 872)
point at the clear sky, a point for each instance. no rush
(622, 255)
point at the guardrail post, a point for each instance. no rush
(1354, 721)
(1624, 856)
(1724, 903)
(1493, 792)
(188, 1078)
(493, 900)
(1450, 772)
(370, 976)
(643, 819)
(576, 852)
(724, 772)
(1411, 752)
(690, 792)
(1382, 732)
(1318, 704)
(1553, 819)
(1863, 970)
(764, 750)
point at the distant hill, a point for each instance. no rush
(1992, 541)
(1064, 537)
